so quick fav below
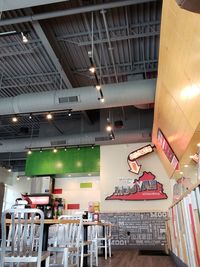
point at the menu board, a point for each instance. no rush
(137, 228)
(167, 149)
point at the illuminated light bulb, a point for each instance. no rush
(191, 156)
(181, 172)
(102, 100)
(69, 114)
(98, 87)
(108, 128)
(49, 116)
(89, 174)
(28, 178)
(14, 119)
(92, 69)
(30, 116)
(29, 152)
(17, 178)
(40, 150)
(65, 149)
(198, 144)
(24, 38)
(186, 166)
(55, 150)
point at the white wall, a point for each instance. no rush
(13, 186)
(114, 166)
(73, 194)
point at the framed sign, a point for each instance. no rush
(169, 153)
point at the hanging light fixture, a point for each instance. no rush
(24, 37)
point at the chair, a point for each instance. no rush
(70, 235)
(101, 236)
(17, 239)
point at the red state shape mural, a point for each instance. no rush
(145, 188)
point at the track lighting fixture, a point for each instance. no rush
(98, 87)
(55, 150)
(30, 116)
(102, 99)
(24, 37)
(92, 69)
(49, 116)
(9, 169)
(14, 119)
(111, 135)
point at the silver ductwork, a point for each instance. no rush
(84, 98)
(98, 138)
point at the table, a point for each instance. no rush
(49, 222)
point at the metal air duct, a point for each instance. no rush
(121, 137)
(84, 98)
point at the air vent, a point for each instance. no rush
(68, 99)
(102, 138)
(58, 143)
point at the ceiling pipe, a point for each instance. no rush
(72, 11)
(121, 137)
(83, 98)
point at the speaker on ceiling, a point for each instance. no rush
(190, 5)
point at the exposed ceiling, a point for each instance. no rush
(123, 37)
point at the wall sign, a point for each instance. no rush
(133, 164)
(137, 228)
(169, 153)
(144, 188)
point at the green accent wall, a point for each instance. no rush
(86, 160)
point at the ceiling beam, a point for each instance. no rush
(25, 77)
(72, 11)
(121, 38)
(16, 4)
(51, 52)
(121, 28)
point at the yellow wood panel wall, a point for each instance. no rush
(177, 108)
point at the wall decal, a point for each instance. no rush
(144, 188)
(133, 164)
